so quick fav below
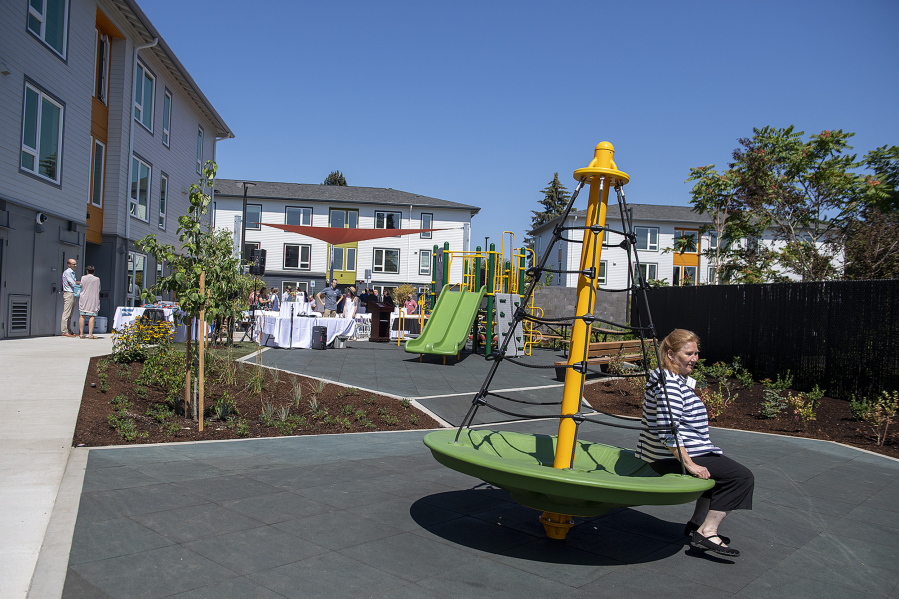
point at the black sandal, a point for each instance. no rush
(690, 528)
(707, 544)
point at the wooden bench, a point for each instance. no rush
(604, 352)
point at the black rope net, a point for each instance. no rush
(643, 329)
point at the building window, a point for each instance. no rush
(166, 117)
(601, 277)
(683, 276)
(254, 217)
(691, 244)
(713, 240)
(650, 272)
(386, 261)
(647, 238)
(144, 92)
(343, 219)
(41, 134)
(297, 256)
(137, 276)
(98, 159)
(101, 66)
(199, 150)
(711, 280)
(424, 262)
(336, 258)
(427, 222)
(295, 286)
(140, 189)
(388, 220)
(298, 216)
(48, 20)
(248, 249)
(163, 191)
(351, 259)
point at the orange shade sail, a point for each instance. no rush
(337, 236)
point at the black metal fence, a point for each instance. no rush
(840, 335)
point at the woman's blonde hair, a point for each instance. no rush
(674, 342)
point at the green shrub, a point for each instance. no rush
(773, 404)
(878, 414)
(224, 407)
(167, 371)
(802, 407)
(347, 410)
(160, 412)
(745, 378)
(134, 342)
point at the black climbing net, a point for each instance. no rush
(643, 328)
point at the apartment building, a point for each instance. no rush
(298, 261)
(102, 132)
(657, 228)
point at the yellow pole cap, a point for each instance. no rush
(602, 164)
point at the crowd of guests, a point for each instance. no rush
(334, 303)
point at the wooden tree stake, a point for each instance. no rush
(201, 348)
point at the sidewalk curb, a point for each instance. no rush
(49, 575)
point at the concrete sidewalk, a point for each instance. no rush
(42, 380)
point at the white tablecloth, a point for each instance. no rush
(125, 316)
(276, 331)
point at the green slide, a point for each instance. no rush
(447, 329)
(603, 476)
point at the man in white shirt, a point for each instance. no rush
(68, 297)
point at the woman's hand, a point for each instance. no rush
(697, 470)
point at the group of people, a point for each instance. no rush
(87, 292)
(335, 303)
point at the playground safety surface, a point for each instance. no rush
(374, 515)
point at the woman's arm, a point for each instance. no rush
(680, 453)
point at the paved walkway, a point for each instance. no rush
(374, 515)
(42, 380)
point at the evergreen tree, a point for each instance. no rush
(555, 200)
(335, 178)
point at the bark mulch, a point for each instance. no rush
(93, 429)
(833, 421)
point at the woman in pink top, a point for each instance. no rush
(89, 302)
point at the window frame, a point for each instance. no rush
(421, 256)
(146, 72)
(645, 266)
(199, 149)
(346, 218)
(163, 199)
(41, 17)
(256, 246)
(678, 272)
(130, 277)
(132, 201)
(35, 152)
(167, 97)
(678, 233)
(254, 227)
(602, 273)
(428, 234)
(299, 265)
(332, 259)
(101, 71)
(374, 265)
(93, 180)
(385, 227)
(346, 257)
(649, 245)
(296, 286)
(302, 210)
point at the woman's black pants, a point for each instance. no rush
(734, 482)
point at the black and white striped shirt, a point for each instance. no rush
(687, 412)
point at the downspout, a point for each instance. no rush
(131, 158)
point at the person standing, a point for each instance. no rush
(329, 296)
(68, 297)
(89, 302)
(410, 305)
(276, 301)
(350, 303)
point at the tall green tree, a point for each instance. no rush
(335, 178)
(555, 200)
(805, 192)
(872, 240)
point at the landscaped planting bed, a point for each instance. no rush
(139, 403)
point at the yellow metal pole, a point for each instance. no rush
(601, 174)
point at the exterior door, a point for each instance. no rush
(686, 263)
(343, 259)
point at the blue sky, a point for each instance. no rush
(481, 102)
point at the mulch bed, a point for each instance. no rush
(833, 420)
(93, 428)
